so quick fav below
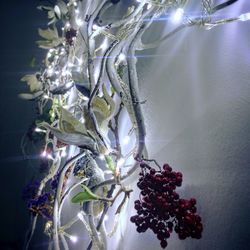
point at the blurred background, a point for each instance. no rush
(197, 116)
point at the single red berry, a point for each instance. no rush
(164, 243)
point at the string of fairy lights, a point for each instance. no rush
(84, 84)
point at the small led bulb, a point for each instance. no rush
(244, 17)
(177, 16)
(102, 157)
(79, 22)
(73, 238)
(63, 153)
(149, 6)
(121, 57)
(126, 140)
(38, 130)
(80, 216)
(50, 71)
(69, 84)
(44, 153)
(95, 27)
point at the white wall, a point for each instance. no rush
(198, 120)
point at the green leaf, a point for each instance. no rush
(110, 163)
(86, 195)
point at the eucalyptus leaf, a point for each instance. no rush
(86, 195)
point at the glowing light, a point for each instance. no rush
(49, 55)
(64, 153)
(50, 71)
(44, 153)
(57, 82)
(69, 84)
(126, 140)
(85, 98)
(80, 61)
(120, 162)
(67, 25)
(106, 217)
(95, 27)
(73, 238)
(77, 11)
(70, 64)
(79, 22)
(45, 96)
(66, 72)
(49, 156)
(122, 57)
(244, 17)
(102, 157)
(80, 216)
(40, 130)
(177, 16)
(149, 6)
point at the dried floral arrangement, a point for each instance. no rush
(86, 88)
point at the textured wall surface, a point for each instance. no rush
(197, 116)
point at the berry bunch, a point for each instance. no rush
(70, 35)
(160, 207)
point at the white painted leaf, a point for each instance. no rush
(69, 124)
(63, 7)
(32, 81)
(48, 34)
(30, 97)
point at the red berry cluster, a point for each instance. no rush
(70, 35)
(160, 207)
